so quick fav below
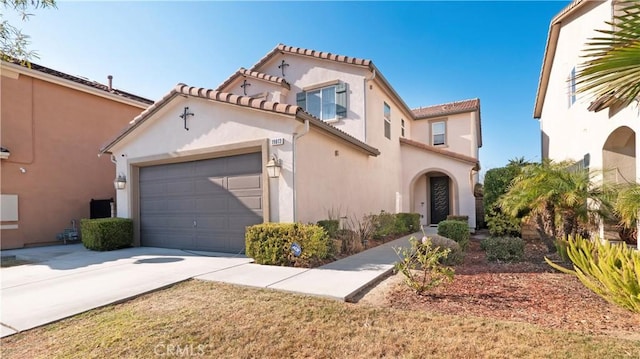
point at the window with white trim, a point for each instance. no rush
(326, 103)
(387, 121)
(438, 133)
(572, 87)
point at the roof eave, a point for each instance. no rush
(358, 145)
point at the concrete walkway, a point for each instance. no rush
(67, 280)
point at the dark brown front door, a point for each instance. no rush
(439, 198)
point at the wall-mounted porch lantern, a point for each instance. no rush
(274, 166)
(120, 182)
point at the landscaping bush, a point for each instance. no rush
(496, 184)
(106, 234)
(384, 224)
(455, 230)
(421, 265)
(612, 271)
(271, 243)
(409, 222)
(506, 249)
(330, 226)
(464, 219)
(561, 249)
(455, 256)
(501, 224)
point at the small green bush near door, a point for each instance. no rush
(106, 234)
(276, 244)
(408, 222)
(456, 230)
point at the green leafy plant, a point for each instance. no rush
(106, 234)
(611, 271)
(421, 265)
(384, 224)
(506, 249)
(407, 222)
(501, 224)
(452, 217)
(561, 249)
(455, 230)
(330, 226)
(271, 243)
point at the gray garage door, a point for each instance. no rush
(201, 205)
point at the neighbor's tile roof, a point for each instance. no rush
(82, 81)
(281, 48)
(444, 109)
(244, 101)
(256, 75)
(441, 151)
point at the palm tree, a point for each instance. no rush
(551, 193)
(611, 72)
(627, 207)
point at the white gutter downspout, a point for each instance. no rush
(366, 80)
(295, 137)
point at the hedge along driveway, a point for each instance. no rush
(36, 294)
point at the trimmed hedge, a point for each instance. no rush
(330, 226)
(455, 230)
(410, 222)
(464, 219)
(506, 249)
(271, 243)
(106, 234)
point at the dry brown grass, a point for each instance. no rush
(223, 321)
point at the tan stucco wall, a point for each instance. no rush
(54, 133)
(461, 133)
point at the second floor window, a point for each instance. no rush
(438, 133)
(326, 103)
(387, 121)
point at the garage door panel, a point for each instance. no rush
(222, 196)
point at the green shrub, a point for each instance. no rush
(410, 222)
(330, 226)
(610, 270)
(421, 265)
(561, 249)
(501, 224)
(464, 219)
(271, 243)
(106, 234)
(456, 256)
(456, 230)
(496, 183)
(384, 224)
(506, 249)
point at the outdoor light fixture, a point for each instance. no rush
(274, 166)
(120, 182)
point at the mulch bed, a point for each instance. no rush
(530, 291)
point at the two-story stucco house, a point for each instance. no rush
(576, 126)
(335, 132)
(51, 123)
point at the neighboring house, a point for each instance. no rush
(341, 138)
(579, 127)
(51, 124)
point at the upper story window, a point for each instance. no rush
(325, 102)
(438, 133)
(572, 87)
(387, 121)
(402, 127)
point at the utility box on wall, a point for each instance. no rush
(8, 211)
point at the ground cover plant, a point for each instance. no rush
(214, 320)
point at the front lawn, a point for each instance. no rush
(205, 319)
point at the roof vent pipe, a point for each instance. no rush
(110, 78)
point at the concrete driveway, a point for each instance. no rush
(67, 280)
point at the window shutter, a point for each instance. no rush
(301, 100)
(341, 100)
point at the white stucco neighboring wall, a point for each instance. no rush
(569, 131)
(214, 128)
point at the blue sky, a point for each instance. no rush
(431, 52)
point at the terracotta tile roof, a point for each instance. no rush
(281, 48)
(244, 101)
(256, 75)
(83, 81)
(444, 109)
(441, 151)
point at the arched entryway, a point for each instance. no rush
(619, 156)
(434, 196)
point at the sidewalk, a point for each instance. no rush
(66, 280)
